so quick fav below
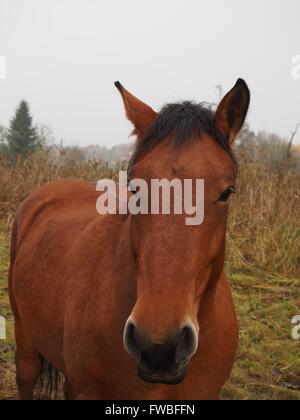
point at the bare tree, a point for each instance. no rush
(220, 90)
(293, 135)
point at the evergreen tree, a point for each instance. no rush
(3, 134)
(22, 138)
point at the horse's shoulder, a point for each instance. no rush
(57, 198)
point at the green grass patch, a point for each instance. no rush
(268, 362)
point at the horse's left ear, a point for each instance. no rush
(232, 111)
(140, 114)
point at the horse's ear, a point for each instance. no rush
(232, 111)
(140, 114)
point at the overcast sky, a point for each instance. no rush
(64, 55)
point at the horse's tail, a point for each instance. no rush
(49, 380)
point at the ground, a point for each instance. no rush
(268, 362)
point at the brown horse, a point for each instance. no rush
(84, 288)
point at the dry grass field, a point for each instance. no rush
(263, 266)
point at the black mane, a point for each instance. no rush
(185, 120)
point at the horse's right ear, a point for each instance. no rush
(232, 111)
(140, 114)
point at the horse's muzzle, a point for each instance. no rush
(161, 363)
(171, 378)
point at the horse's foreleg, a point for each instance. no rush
(28, 364)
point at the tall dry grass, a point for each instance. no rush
(264, 230)
(17, 182)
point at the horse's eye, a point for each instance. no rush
(224, 197)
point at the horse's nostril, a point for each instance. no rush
(131, 340)
(160, 357)
(187, 344)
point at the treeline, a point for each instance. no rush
(268, 150)
(22, 139)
